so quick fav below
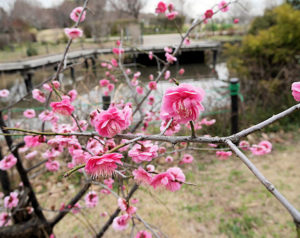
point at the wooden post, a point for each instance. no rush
(27, 76)
(94, 65)
(234, 91)
(72, 73)
(4, 179)
(215, 57)
(86, 64)
(106, 102)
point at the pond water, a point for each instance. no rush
(90, 94)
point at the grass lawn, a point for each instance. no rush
(228, 200)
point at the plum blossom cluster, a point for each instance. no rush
(10, 203)
(75, 32)
(167, 9)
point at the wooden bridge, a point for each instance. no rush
(27, 66)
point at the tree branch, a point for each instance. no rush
(271, 188)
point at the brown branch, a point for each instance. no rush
(116, 213)
(22, 173)
(73, 201)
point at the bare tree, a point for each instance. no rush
(128, 7)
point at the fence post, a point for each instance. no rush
(72, 73)
(4, 179)
(27, 76)
(215, 57)
(106, 102)
(86, 64)
(234, 91)
(94, 67)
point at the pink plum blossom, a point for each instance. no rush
(73, 33)
(187, 159)
(140, 90)
(208, 14)
(47, 87)
(120, 223)
(206, 122)
(95, 146)
(142, 176)
(104, 165)
(64, 107)
(162, 150)
(181, 71)
(150, 55)
(11, 201)
(4, 218)
(76, 208)
(173, 128)
(187, 41)
(109, 182)
(223, 6)
(168, 50)
(48, 116)
(144, 151)
(171, 7)
(52, 165)
(236, 20)
(75, 14)
(151, 77)
(244, 145)
(103, 82)
(170, 58)
(167, 74)
(31, 155)
(114, 62)
(137, 75)
(143, 234)
(91, 199)
(72, 94)
(264, 147)
(171, 15)
(118, 51)
(150, 100)
(29, 113)
(169, 159)
(161, 7)
(23, 149)
(33, 141)
(56, 84)
(172, 179)
(8, 162)
(103, 214)
(150, 168)
(4, 93)
(38, 95)
(183, 103)
(152, 85)
(223, 155)
(134, 201)
(113, 121)
(122, 204)
(110, 87)
(296, 91)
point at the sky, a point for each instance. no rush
(193, 7)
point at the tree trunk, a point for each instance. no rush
(31, 229)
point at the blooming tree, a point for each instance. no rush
(114, 146)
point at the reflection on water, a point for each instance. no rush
(90, 94)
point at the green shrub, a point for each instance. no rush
(31, 51)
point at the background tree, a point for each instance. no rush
(128, 7)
